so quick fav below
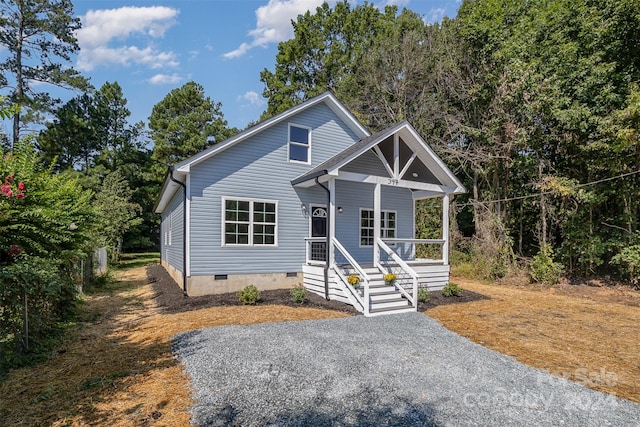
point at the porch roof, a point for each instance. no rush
(448, 183)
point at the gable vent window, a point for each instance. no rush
(299, 144)
(250, 222)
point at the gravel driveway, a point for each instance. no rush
(395, 370)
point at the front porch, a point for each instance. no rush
(372, 296)
(399, 162)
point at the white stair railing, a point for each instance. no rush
(351, 293)
(413, 299)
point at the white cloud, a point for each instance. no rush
(253, 98)
(104, 33)
(434, 15)
(162, 79)
(273, 23)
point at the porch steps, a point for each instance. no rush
(384, 299)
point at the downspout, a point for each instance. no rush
(184, 230)
(326, 264)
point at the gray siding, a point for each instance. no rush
(172, 221)
(258, 168)
(352, 196)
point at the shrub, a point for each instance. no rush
(629, 260)
(452, 290)
(423, 294)
(543, 269)
(249, 295)
(298, 293)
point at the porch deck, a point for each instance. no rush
(373, 296)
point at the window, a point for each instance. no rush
(168, 228)
(299, 144)
(387, 226)
(249, 222)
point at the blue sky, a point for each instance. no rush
(153, 46)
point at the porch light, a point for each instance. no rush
(303, 209)
(339, 209)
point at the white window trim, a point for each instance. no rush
(289, 142)
(311, 208)
(251, 201)
(382, 228)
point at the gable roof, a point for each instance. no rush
(328, 98)
(182, 169)
(409, 135)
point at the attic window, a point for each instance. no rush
(299, 144)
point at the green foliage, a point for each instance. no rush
(629, 261)
(298, 293)
(54, 218)
(452, 290)
(38, 37)
(46, 226)
(250, 295)
(544, 269)
(49, 288)
(423, 294)
(116, 213)
(182, 124)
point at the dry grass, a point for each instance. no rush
(119, 370)
(591, 336)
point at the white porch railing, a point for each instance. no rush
(352, 293)
(415, 251)
(316, 250)
(401, 269)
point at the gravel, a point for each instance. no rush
(394, 370)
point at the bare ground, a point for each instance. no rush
(119, 369)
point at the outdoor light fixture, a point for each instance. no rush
(339, 209)
(303, 209)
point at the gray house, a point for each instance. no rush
(308, 196)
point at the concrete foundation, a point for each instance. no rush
(209, 285)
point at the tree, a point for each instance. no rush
(36, 34)
(116, 212)
(326, 47)
(182, 124)
(119, 141)
(71, 139)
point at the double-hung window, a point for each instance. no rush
(250, 222)
(387, 226)
(299, 144)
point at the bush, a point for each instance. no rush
(299, 294)
(452, 290)
(629, 260)
(50, 292)
(543, 269)
(249, 295)
(423, 294)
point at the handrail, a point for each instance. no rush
(414, 276)
(365, 282)
(350, 259)
(416, 242)
(425, 241)
(352, 296)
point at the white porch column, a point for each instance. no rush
(332, 220)
(445, 229)
(377, 203)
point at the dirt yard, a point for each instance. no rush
(119, 369)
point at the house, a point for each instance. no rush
(309, 196)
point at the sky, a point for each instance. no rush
(153, 46)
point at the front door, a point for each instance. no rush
(318, 230)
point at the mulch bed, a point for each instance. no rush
(168, 296)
